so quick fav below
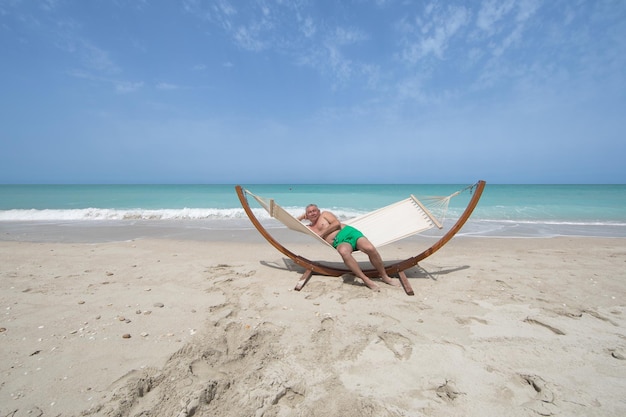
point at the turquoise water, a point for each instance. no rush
(504, 210)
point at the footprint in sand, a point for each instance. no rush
(202, 369)
(326, 328)
(289, 398)
(448, 391)
(469, 320)
(543, 401)
(578, 313)
(547, 326)
(599, 316)
(401, 346)
(225, 270)
(328, 323)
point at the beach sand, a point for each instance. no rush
(164, 327)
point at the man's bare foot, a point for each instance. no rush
(371, 284)
(391, 281)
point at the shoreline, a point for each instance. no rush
(497, 327)
(101, 231)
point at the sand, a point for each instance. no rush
(164, 327)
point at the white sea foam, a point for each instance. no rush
(236, 218)
(145, 214)
(230, 213)
(113, 214)
(554, 222)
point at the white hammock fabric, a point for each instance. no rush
(383, 226)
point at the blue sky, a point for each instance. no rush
(329, 91)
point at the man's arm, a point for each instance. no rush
(333, 224)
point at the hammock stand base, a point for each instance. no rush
(306, 276)
(394, 269)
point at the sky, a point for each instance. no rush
(312, 91)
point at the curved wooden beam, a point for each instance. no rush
(299, 260)
(395, 268)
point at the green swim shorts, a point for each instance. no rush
(347, 235)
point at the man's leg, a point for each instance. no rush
(345, 250)
(365, 246)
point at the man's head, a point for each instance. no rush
(312, 212)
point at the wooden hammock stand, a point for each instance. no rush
(393, 269)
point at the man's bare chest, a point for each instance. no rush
(320, 225)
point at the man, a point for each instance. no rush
(347, 239)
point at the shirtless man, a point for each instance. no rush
(347, 239)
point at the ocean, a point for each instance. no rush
(503, 211)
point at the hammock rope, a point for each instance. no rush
(438, 205)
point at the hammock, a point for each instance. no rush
(382, 226)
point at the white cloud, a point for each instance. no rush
(308, 27)
(120, 86)
(49, 5)
(96, 58)
(433, 32)
(527, 9)
(249, 38)
(491, 13)
(124, 87)
(289, 29)
(166, 86)
(344, 36)
(330, 58)
(503, 23)
(339, 65)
